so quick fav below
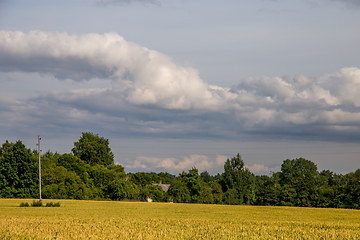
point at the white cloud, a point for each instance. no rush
(175, 165)
(261, 169)
(147, 76)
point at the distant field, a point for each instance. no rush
(137, 220)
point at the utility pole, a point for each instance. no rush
(39, 166)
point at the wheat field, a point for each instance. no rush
(139, 220)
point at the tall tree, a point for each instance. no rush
(194, 184)
(93, 149)
(300, 174)
(18, 171)
(60, 183)
(267, 190)
(179, 192)
(237, 177)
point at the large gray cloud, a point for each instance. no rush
(153, 96)
(147, 76)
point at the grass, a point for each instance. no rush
(138, 220)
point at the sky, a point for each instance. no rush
(179, 84)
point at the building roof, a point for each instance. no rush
(165, 187)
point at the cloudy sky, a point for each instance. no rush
(176, 84)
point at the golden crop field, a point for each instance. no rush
(138, 220)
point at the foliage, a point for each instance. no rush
(121, 190)
(89, 174)
(300, 174)
(194, 184)
(93, 149)
(74, 164)
(37, 204)
(205, 176)
(24, 204)
(179, 192)
(51, 204)
(216, 192)
(267, 190)
(104, 176)
(60, 183)
(239, 180)
(154, 192)
(18, 171)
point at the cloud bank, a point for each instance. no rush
(174, 165)
(151, 95)
(201, 162)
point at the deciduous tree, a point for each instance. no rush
(93, 149)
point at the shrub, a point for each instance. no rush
(37, 204)
(51, 204)
(24, 204)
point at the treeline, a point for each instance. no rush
(89, 172)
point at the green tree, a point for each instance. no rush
(300, 174)
(205, 176)
(230, 197)
(206, 194)
(216, 192)
(193, 182)
(103, 177)
(324, 191)
(48, 158)
(352, 190)
(155, 192)
(18, 171)
(287, 195)
(59, 183)
(74, 164)
(144, 178)
(237, 177)
(166, 177)
(119, 189)
(267, 190)
(93, 149)
(179, 192)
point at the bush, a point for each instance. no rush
(37, 204)
(24, 204)
(51, 204)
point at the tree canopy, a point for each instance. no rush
(90, 173)
(18, 171)
(93, 149)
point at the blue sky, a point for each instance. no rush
(176, 84)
